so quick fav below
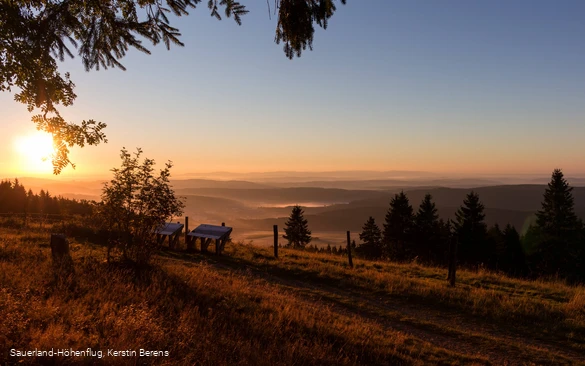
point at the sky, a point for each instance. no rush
(453, 87)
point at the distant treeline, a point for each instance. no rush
(554, 245)
(14, 198)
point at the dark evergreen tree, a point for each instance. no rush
(371, 237)
(19, 197)
(497, 242)
(559, 243)
(557, 216)
(471, 232)
(398, 229)
(296, 229)
(14, 198)
(32, 201)
(427, 232)
(446, 238)
(5, 196)
(512, 260)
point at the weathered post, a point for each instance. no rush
(218, 243)
(349, 251)
(452, 261)
(204, 244)
(62, 262)
(187, 241)
(275, 228)
(59, 246)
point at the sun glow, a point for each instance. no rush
(34, 152)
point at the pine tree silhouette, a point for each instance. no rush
(513, 260)
(296, 229)
(471, 231)
(497, 243)
(398, 228)
(558, 232)
(446, 234)
(371, 237)
(427, 232)
(557, 215)
(14, 198)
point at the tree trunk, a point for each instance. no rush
(275, 228)
(349, 251)
(452, 261)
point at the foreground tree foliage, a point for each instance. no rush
(135, 203)
(296, 229)
(34, 35)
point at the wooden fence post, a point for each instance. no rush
(186, 231)
(452, 261)
(349, 251)
(275, 228)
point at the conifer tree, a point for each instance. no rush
(446, 238)
(398, 228)
(427, 231)
(557, 216)
(14, 198)
(371, 237)
(513, 259)
(559, 243)
(496, 240)
(297, 229)
(471, 231)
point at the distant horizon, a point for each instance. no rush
(340, 175)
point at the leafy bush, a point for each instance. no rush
(135, 203)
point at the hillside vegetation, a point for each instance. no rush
(247, 307)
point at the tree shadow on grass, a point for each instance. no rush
(553, 330)
(227, 316)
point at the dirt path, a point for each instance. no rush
(446, 329)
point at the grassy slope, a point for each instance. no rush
(249, 308)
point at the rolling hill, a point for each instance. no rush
(514, 204)
(286, 196)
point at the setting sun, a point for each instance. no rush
(34, 152)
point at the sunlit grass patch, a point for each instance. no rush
(300, 308)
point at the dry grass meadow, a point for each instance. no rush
(248, 308)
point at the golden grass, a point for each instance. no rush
(249, 308)
(480, 292)
(199, 314)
